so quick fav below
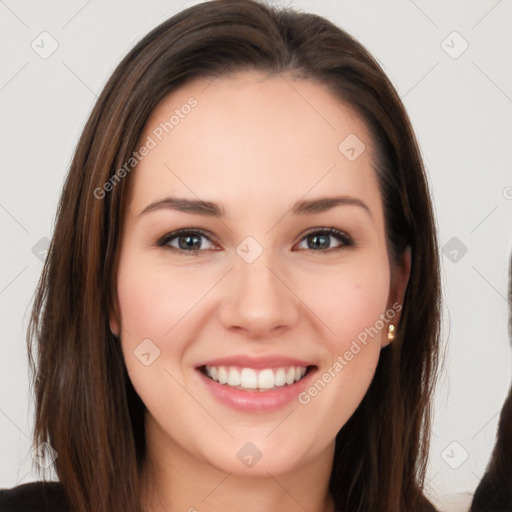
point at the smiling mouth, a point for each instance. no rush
(249, 379)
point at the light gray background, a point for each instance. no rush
(461, 109)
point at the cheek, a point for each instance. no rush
(350, 301)
(152, 300)
(153, 307)
(353, 314)
(351, 304)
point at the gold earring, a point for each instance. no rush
(391, 332)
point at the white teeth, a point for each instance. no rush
(233, 377)
(223, 375)
(248, 378)
(280, 377)
(266, 379)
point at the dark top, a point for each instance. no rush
(34, 497)
(50, 497)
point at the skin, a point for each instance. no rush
(255, 145)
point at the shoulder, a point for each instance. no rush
(34, 497)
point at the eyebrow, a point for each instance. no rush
(209, 209)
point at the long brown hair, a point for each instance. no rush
(86, 407)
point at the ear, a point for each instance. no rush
(400, 273)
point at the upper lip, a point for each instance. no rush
(246, 361)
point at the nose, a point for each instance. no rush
(259, 300)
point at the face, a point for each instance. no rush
(279, 285)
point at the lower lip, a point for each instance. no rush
(254, 400)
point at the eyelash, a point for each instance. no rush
(346, 241)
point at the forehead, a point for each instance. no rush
(249, 136)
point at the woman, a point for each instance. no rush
(240, 305)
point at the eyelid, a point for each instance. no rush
(165, 239)
(326, 230)
(346, 241)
